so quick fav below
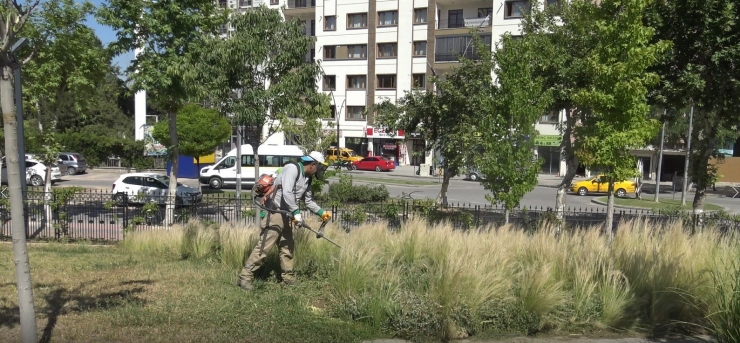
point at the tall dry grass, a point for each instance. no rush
(426, 282)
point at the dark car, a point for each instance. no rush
(474, 174)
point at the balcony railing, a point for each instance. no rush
(301, 3)
(467, 22)
(455, 56)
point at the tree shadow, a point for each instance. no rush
(62, 301)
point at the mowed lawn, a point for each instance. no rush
(88, 293)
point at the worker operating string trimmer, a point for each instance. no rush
(280, 195)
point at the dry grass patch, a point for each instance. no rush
(420, 282)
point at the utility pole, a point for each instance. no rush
(660, 163)
(688, 157)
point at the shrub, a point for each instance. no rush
(344, 192)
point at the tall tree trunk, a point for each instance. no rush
(506, 216)
(609, 224)
(701, 166)
(445, 185)
(48, 198)
(571, 162)
(20, 248)
(175, 161)
(197, 163)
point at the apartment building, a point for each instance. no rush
(372, 50)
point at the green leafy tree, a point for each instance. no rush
(563, 42)
(258, 75)
(617, 113)
(199, 131)
(307, 130)
(166, 31)
(14, 16)
(70, 62)
(699, 70)
(509, 110)
(449, 119)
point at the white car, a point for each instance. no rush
(35, 173)
(139, 188)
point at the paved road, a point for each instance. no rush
(460, 191)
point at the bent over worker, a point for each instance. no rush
(293, 183)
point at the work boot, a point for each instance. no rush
(245, 284)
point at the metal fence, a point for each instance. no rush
(96, 216)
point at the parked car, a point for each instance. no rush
(62, 167)
(35, 173)
(341, 154)
(376, 163)
(474, 174)
(139, 188)
(76, 163)
(597, 185)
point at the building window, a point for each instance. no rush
(356, 81)
(420, 48)
(332, 112)
(418, 81)
(455, 19)
(357, 21)
(386, 81)
(330, 82)
(387, 50)
(549, 118)
(330, 23)
(274, 2)
(516, 9)
(330, 52)
(485, 12)
(245, 3)
(357, 51)
(223, 3)
(355, 113)
(389, 18)
(420, 15)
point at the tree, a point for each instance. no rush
(15, 16)
(700, 70)
(562, 42)
(70, 63)
(448, 118)
(199, 131)
(509, 114)
(258, 74)
(166, 31)
(616, 110)
(307, 130)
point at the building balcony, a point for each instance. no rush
(450, 49)
(297, 8)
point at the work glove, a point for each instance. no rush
(297, 219)
(326, 216)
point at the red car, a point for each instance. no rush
(376, 163)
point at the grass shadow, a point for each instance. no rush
(61, 301)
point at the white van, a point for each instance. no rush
(272, 157)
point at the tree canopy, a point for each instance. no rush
(199, 130)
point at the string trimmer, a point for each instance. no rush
(319, 233)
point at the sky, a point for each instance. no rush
(107, 35)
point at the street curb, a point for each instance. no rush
(648, 209)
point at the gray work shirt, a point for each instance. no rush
(293, 185)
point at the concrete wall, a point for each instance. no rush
(729, 168)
